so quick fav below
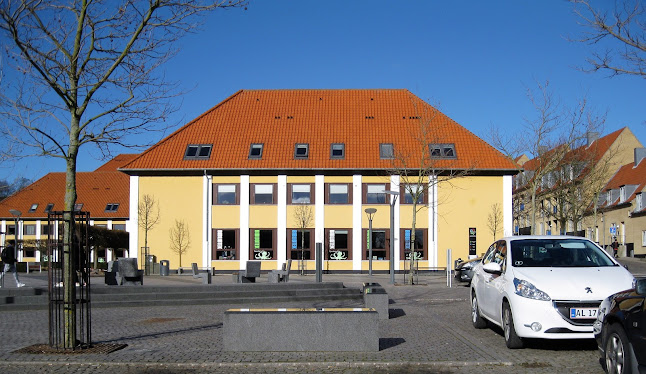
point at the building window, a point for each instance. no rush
(417, 249)
(338, 193)
(644, 238)
(622, 194)
(119, 227)
(299, 248)
(198, 152)
(255, 151)
(446, 151)
(263, 244)
(44, 229)
(374, 194)
(29, 229)
(49, 208)
(338, 245)
(638, 202)
(33, 208)
(417, 190)
(379, 245)
(386, 151)
(111, 207)
(301, 151)
(29, 251)
(225, 245)
(262, 194)
(11, 229)
(226, 194)
(337, 151)
(301, 193)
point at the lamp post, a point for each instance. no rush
(370, 212)
(16, 216)
(394, 195)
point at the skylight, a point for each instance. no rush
(337, 151)
(198, 152)
(301, 151)
(386, 151)
(255, 150)
(111, 207)
(442, 151)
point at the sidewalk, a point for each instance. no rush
(429, 332)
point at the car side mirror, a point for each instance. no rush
(492, 268)
(640, 286)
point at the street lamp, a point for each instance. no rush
(16, 216)
(392, 233)
(371, 213)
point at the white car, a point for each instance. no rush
(547, 287)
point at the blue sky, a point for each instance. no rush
(474, 60)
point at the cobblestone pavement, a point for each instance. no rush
(429, 331)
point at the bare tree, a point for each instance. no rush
(621, 33)
(495, 220)
(303, 217)
(89, 73)
(148, 216)
(425, 165)
(180, 239)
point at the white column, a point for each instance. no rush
(394, 236)
(207, 203)
(432, 219)
(132, 225)
(357, 215)
(243, 251)
(507, 205)
(319, 219)
(281, 226)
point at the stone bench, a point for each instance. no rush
(376, 297)
(205, 275)
(301, 330)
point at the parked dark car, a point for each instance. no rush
(620, 331)
(464, 269)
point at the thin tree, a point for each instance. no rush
(88, 72)
(495, 220)
(180, 239)
(148, 216)
(620, 36)
(425, 165)
(303, 217)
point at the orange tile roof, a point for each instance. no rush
(628, 174)
(117, 162)
(94, 189)
(361, 119)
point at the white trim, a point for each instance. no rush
(319, 210)
(132, 224)
(432, 218)
(507, 205)
(281, 227)
(207, 213)
(243, 251)
(394, 236)
(357, 215)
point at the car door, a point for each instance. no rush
(493, 284)
(480, 278)
(636, 329)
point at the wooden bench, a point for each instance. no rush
(296, 329)
(33, 266)
(205, 275)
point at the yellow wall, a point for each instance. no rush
(180, 198)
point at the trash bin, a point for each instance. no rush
(163, 268)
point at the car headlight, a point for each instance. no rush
(526, 289)
(604, 307)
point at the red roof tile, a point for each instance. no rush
(361, 119)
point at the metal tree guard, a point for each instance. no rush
(69, 307)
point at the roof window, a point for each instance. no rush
(33, 208)
(386, 151)
(337, 151)
(446, 151)
(111, 207)
(302, 151)
(49, 207)
(255, 150)
(78, 207)
(198, 151)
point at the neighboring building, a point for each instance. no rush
(104, 193)
(239, 174)
(622, 208)
(568, 187)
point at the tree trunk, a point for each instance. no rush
(69, 249)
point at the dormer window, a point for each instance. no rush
(33, 208)
(198, 152)
(622, 194)
(255, 151)
(301, 151)
(442, 151)
(337, 151)
(386, 151)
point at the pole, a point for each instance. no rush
(319, 262)
(392, 239)
(370, 246)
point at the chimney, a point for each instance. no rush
(640, 154)
(592, 136)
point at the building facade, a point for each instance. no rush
(269, 174)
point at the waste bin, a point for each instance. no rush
(163, 268)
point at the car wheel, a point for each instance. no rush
(476, 319)
(512, 340)
(617, 355)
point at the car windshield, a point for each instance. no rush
(557, 253)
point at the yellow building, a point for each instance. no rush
(268, 174)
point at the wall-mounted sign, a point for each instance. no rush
(472, 241)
